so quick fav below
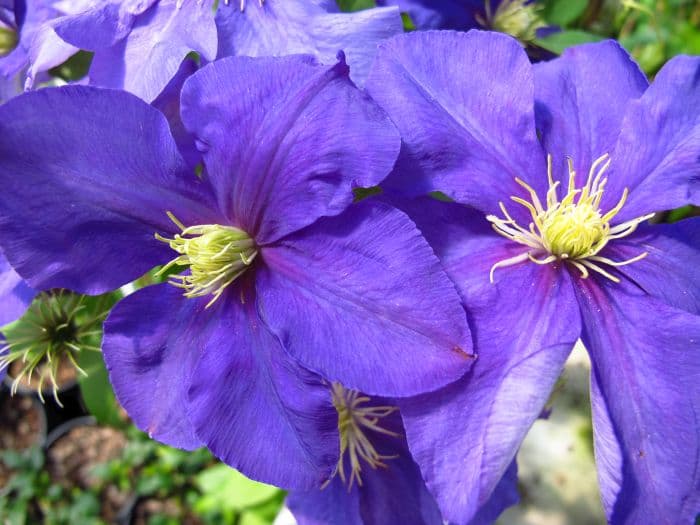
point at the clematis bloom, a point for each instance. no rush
(139, 45)
(376, 480)
(554, 170)
(518, 18)
(276, 278)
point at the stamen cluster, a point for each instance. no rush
(8, 40)
(216, 255)
(354, 420)
(519, 18)
(57, 325)
(572, 229)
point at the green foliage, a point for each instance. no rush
(75, 68)
(29, 482)
(563, 12)
(355, 5)
(363, 193)
(96, 390)
(558, 42)
(227, 492)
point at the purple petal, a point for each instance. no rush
(297, 139)
(100, 26)
(332, 505)
(257, 409)
(581, 101)
(525, 326)
(671, 270)
(168, 103)
(152, 340)
(46, 51)
(299, 26)
(149, 58)
(88, 176)
(32, 19)
(395, 492)
(504, 495)
(645, 402)
(658, 153)
(440, 14)
(15, 294)
(467, 135)
(361, 299)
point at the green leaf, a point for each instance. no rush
(563, 12)
(224, 488)
(558, 42)
(97, 392)
(355, 5)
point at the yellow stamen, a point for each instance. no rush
(216, 255)
(518, 18)
(572, 229)
(8, 40)
(354, 420)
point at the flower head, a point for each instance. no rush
(574, 229)
(376, 476)
(279, 278)
(57, 326)
(215, 256)
(587, 151)
(139, 45)
(355, 420)
(518, 18)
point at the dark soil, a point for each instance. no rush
(65, 376)
(71, 459)
(21, 426)
(145, 509)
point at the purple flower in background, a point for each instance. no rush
(15, 294)
(518, 18)
(20, 38)
(139, 45)
(15, 297)
(547, 241)
(376, 478)
(316, 27)
(278, 266)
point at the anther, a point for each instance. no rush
(215, 255)
(572, 229)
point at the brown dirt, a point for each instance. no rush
(65, 376)
(148, 508)
(72, 457)
(20, 427)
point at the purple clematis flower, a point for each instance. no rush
(554, 170)
(278, 266)
(316, 27)
(376, 480)
(140, 44)
(38, 48)
(19, 24)
(15, 294)
(518, 18)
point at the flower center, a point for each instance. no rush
(8, 40)
(572, 229)
(518, 18)
(354, 419)
(56, 327)
(243, 2)
(216, 255)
